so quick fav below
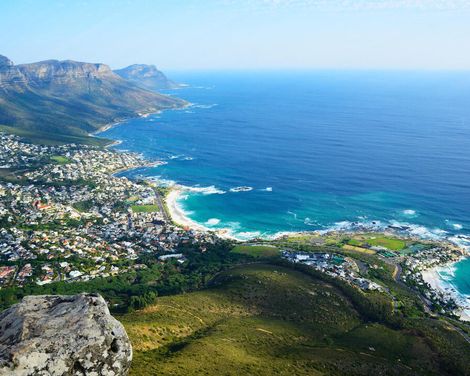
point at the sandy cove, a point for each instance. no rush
(179, 216)
(433, 278)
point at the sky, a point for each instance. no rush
(241, 34)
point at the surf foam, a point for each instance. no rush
(212, 221)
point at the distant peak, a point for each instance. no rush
(139, 68)
(5, 62)
(146, 76)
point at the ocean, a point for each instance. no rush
(272, 152)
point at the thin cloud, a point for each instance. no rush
(361, 4)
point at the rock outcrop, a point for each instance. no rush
(63, 335)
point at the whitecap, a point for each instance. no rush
(175, 156)
(357, 226)
(161, 181)
(461, 241)
(310, 222)
(420, 231)
(212, 221)
(211, 190)
(158, 163)
(234, 225)
(279, 234)
(204, 106)
(455, 226)
(248, 235)
(241, 189)
(409, 212)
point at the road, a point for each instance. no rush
(162, 207)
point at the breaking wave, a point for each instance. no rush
(212, 222)
(241, 189)
(211, 190)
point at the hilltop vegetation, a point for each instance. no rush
(267, 319)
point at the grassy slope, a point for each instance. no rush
(270, 320)
(256, 250)
(51, 138)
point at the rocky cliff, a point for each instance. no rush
(62, 335)
(146, 76)
(71, 98)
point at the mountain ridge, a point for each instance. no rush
(71, 98)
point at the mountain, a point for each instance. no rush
(263, 319)
(70, 98)
(146, 76)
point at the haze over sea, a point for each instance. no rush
(319, 149)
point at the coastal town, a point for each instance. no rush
(414, 262)
(334, 265)
(64, 216)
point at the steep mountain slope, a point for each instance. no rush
(70, 98)
(272, 320)
(146, 76)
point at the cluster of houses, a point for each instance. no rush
(419, 262)
(334, 265)
(78, 220)
(431, 256)
(86, 164)
(17, 154)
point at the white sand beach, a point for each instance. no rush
(180, 218)
(433, 278)
(177, 214)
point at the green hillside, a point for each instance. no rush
(270, 320)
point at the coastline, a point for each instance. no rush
(438, 283)
(431, 276)
(116, 123)
(179, 217)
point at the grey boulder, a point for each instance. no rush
(63, 335)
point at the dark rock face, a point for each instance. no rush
(146, 76)
(63, 335)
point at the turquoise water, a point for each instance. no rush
(461, 276)
(316, 150)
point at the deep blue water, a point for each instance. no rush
(317, 148)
